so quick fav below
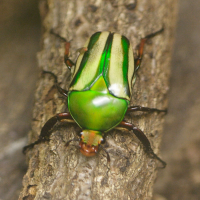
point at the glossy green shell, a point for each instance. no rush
(100, 89)
(96, 109)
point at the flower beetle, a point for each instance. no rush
(100, 91)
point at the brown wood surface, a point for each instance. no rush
(57, 172)
(19, 39)
(20, 33)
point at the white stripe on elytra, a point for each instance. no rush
(89, 71)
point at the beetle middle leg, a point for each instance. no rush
(144, 140)
(60, 90)
(138, 60)
(46, 129)
(144, 109)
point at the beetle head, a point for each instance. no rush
(90, 141)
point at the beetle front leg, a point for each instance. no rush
(144, 109)
(46, 129)
(138, 60)
(143, 139)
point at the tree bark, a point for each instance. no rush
(57, 172)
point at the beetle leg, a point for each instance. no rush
(143, 139)
(46, 129)
(60, 90)
(144, 109)
(138, 60)
(69, 63)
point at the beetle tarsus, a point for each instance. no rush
(145, 109)
(153, 155)
(151, 35)
(30, 146)
(57, 35)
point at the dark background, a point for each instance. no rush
(20, 32)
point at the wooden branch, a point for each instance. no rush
(57, 172)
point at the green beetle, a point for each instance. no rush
(100, 91)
